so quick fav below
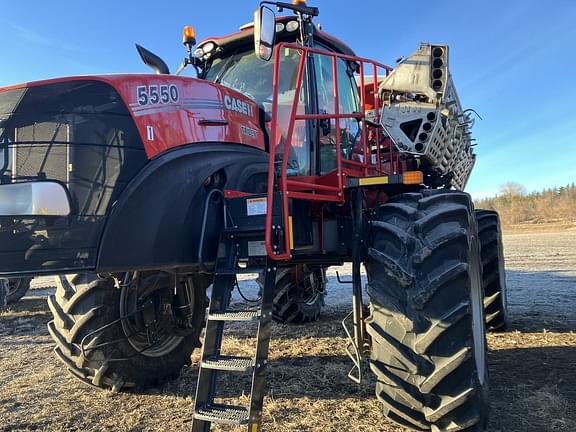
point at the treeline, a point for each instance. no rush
(516, 206)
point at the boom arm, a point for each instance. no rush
(423, 116)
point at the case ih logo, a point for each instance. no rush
(237, 105)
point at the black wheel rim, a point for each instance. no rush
(13, 286)
(312, 289)
(145, 298)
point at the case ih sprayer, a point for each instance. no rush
(286, 155)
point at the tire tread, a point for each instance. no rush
(417, 305)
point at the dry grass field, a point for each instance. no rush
(532, 367)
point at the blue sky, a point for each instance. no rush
(513, 61)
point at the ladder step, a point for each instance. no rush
(239, 270)
(234, 316)
(229, 363)
(218, 413)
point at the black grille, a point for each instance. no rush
(42, 151)
(79, 133)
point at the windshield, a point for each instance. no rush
(246, 73)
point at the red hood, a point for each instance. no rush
(170, 110)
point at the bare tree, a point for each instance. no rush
(516, 206)
(512, 189)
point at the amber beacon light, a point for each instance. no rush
(189, 36)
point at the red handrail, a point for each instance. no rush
(313, 186)
(297, 189)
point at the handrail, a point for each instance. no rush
(293, 188)
(313, 186)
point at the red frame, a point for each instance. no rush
(330, 186)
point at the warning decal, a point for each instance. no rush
(256, 206)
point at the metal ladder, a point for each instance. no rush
(207, 411)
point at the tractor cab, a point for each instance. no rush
(232, 61)
(312, 92)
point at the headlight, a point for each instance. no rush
(208, 47)
(292, 26)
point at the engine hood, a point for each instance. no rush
(170, 111)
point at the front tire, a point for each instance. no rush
(141, 349)
(426, 313)
(493, 270)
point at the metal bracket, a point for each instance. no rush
(353, 352)
(342, 281)
(357, 336)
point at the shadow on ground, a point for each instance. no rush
(533, 373)
(532, 389)
(542, 300)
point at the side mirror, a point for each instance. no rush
(264, 32)
(39, 198)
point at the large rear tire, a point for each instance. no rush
(144, 348)
(493, 270)
(17, 288)
(426, 313)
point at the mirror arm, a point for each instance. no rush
(311, 11)
(301, 28)
(182, 66)
(198, 64)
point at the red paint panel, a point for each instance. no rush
(197, 111)
(202, 112)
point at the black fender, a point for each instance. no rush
(156, 222)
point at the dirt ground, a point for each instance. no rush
(532, 367)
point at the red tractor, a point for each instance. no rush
(287, 154)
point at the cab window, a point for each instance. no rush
(349, 103)
(246, 73)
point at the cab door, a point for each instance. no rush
(349, 103)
